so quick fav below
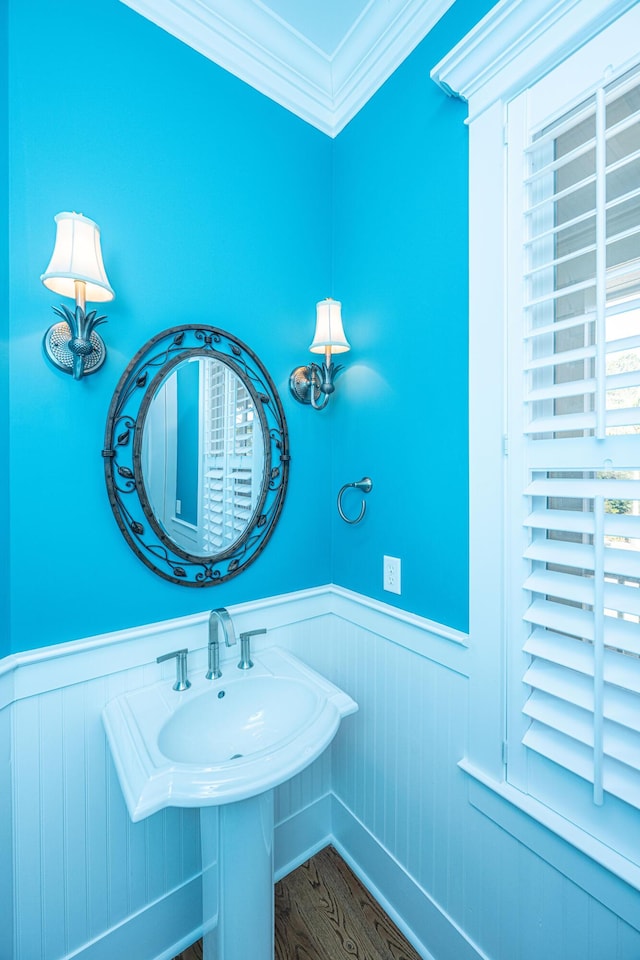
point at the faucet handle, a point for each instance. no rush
(245, 648)
(182, 683)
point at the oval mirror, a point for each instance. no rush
(196, 455)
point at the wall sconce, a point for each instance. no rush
(314, 383)
(76, 270)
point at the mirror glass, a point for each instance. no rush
(203, 456)
(196, 455)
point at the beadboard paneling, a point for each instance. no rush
(81, 866)
(86, 878)
(394, 762)
(401, 816)
(6, 845)
(389, 792)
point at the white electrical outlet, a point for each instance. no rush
(391, 575)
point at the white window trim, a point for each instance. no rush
(514, 46)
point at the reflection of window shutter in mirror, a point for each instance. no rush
(580, 446)
(242, 475)
(229, 477)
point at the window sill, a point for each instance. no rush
(599, 870)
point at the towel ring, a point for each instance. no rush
(365, 485)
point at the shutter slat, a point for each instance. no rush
(624, 343)
(619, 670)
(554, 328)
(571, 190)
(580, 589)
(622, 598)
(618, 778)
(568, 521)
(620, 743)
(623, 161)
(578, 622)
(617, 308)
(561, 390)
(585, 488)
(555, 359)
(552, 262)
(553, 295)
(619, 417)
(622, 562)
(581, 555)
(621, 381)
(565, 586)
(570, 422)
(564, 700)
(558, 163)
(566, 718)
(622, 525)
(548, 138)
(562, 552)
(573, 756)
(561, 618)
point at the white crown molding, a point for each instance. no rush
(516, 43)
(246, 38)
(374, 48)
(254, 46)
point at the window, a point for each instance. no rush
(573, 506)
(554, 423)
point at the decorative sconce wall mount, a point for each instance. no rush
(313, 383)
(76, 270)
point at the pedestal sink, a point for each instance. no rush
(226, 742)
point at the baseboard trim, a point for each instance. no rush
(325, 821)
(430, 930)
(146, 933)
(423, 922)
(301, 836)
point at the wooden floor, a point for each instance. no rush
(324, 913)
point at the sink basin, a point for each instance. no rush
(245, 716)
(224, 740)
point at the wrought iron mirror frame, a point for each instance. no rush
(123, 454)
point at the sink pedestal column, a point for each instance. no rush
(245, 927)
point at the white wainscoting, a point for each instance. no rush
(6, 820)
(88, 884)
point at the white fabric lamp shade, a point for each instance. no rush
(77, 256)
(329, 332)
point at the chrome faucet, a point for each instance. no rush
(182, 683)
(245, 648)
(219, 617)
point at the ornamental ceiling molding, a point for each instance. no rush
(516, 43)
(249, 40)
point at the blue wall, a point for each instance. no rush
(4, 332)
(217, 204)
(400, 266)
(204, 191)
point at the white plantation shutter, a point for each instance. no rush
(574, 473)
(231, 485)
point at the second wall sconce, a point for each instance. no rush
(314, 383)
(76, 270)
